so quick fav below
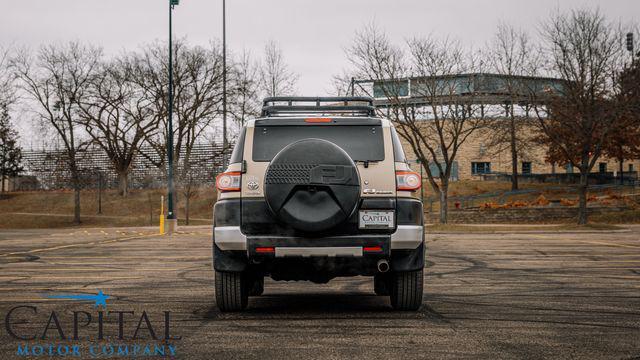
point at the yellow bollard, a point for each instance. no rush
(161, 215)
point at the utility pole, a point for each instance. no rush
(172, 221)
(224, 77)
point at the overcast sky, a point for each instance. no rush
(312, 33)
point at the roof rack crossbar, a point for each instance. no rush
(272, 106)
(354, 110)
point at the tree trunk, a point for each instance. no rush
(186, 209)
(621, 171)
(76, 204)
(582, 191)
(150, 201)
(77, 186)
(444, 206)
(514, 154)
(123, 183)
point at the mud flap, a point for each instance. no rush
(407, 260)
(229, 261)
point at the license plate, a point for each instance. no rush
(376, 219)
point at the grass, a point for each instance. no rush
(563, 194)
(54, 209)
(142, 207)
(476, 187)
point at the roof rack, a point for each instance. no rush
(303, 105)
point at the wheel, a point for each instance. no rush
(231, 291)
(257, 286)
(381, 283)
(406, 290)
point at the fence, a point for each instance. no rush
(50, 169)
(600, 178)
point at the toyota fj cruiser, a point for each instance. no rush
(318, 188)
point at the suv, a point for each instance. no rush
(318, 188)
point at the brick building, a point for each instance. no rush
(496, 95)
(476, 158)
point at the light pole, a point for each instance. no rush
(172, 222)
(224, 76)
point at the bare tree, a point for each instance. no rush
(584, 49)
(197, 92)
(245, 89)
(197, 78)
(189, 189)
(512, 55)
(343, 84)
(118, 117)
(198, 100)
(623, 142)
(276, 78)
(434, 132)
(437, 131)
(148, 70)
(193, 170)
(57, 80)
(10, 151)
(7, 83)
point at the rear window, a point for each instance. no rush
(363, 143)
(398, 153)
(236, 155)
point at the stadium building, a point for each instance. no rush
(494, 96)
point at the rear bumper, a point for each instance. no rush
(290, 256)
(317, 259)
(406, 237)
(229, 238)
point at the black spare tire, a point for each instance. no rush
(312, 185)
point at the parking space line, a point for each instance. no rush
(78, 245)
(83, 277)
(610, 244)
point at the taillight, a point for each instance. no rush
(228, 181)
(265, 250)
(408, 180)
(317, 120)
(372, 249)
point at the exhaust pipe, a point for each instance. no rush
(383, 266)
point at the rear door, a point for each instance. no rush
(367, 141)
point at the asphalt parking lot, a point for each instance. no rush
(533, 295)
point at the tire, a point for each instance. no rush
(231, 291)
(406, 290)
(381, 284)
(312, 185)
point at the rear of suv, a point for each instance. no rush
(318, 188)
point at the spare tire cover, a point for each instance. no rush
(312, 185)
